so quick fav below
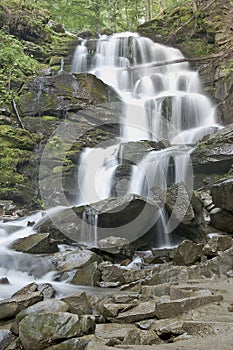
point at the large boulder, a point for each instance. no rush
(131, 216)
(214, 154)
(187, 253)
(186, 213)
(216, 244)
(222, 219)
(59, 94)
(40, 243)
(38, 331)
(12, 306)
(222, 193)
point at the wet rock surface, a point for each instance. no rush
(133, 214)
(213, 155)
(59, 94)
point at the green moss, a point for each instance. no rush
(227, 69)
(48, 118)
(16, 138)
(55, 61)
(16, 169)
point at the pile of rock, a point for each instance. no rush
(152, 302)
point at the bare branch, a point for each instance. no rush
(180, 60)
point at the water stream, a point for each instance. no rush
(160, 103)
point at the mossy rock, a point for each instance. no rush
(16, 138)
(57, 95)
(17, 167)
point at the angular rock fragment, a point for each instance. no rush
(177, 307)
(78, 303)
(39, 243)
(187, 253)
(12, 306)
(216, 244)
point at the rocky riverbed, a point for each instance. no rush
(170, 298)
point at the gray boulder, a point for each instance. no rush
(214, 153)
(88, 275)
(75, 259)
(44, 306)
(38, 331)
(187, 253)
(71, 344)
(131, 216)
(118, 247)
(62, 93)
(222, 219)
(186, 213)
(217, 243)
(177, 307)
(6, 338)
(78, 303)
(222, 193)
(109, 331)
(140, 312)
(12, 306)
(41, 243)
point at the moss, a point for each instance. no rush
(17, 171)
(48, 118)
(55, 61)
(16, 138)
(227, 69)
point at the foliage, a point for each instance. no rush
(15, 66)
(16, 151)
(8, 167)
(106, 15)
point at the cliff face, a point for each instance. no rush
(204, 30)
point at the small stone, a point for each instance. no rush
(184, 336)
(4, 280)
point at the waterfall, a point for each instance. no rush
(160, 103)
(96, 168)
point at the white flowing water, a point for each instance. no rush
(160, 102)
(163, 102)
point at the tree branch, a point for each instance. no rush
(180, 60)
(17, 113)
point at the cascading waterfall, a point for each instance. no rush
(161, 102)
(97, 166)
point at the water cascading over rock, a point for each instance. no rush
(160, 103)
